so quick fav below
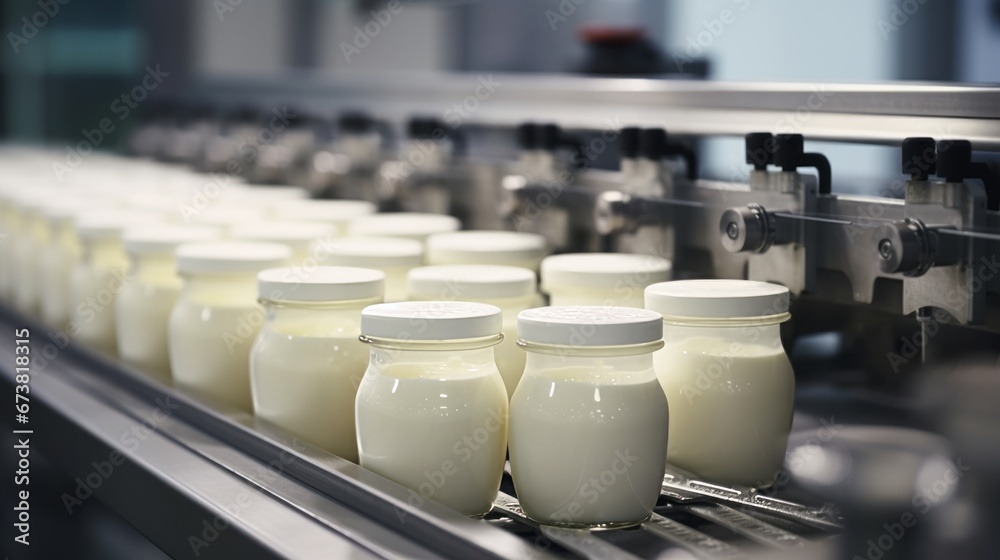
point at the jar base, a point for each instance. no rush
(595, 526)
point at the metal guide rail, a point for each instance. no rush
(872, 113)
(325, 504)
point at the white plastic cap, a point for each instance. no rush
(375, 252)
(165, 238)
(485, 247)
(431, 320)
(589, 325)
(403, 224)
(109, 223)
(471, 281)
(323, 283)
(717, 298)
(230, 257)
(264, 193)
(333, 211)
(298, 235)
(225, 216)
(65, 209)
(603, 270)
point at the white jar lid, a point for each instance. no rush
(264, 193)
(335, 211)
(485, 247)
(469, 281)
(165, 238)
(410, 225)
(603, 270)
(322, 283)
(225, 216)
(431, 320)
(110, 223)
(230, 257)
(717, 298)
(298, 235)
(375, 252)
(581, 325)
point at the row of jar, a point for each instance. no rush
(605, 398)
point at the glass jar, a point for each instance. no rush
(10, 220)
(604, 279)
(307, 362)
(301, 237)
(510, 288)
(588, 422)
(729, 383)
(409, 225)
(334, 212)
(431, 409)
(32, 236)
(57, 259)
(508, 248)
(149, 292)
(99, 276)
(393, 256)
(216, 318)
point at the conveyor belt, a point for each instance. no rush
(308, 504)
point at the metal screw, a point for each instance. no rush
(733, 230)
(885, 249)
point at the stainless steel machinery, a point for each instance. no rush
(907, 281)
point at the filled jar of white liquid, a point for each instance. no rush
(216, 318)
(588, 422)
(335, 212)
(507, 248)
(512, 289)
(393, 256)
(408, 225)
(32, 236)
(226, 217)
(605, 279)
(301, 237)
(729, 383)
(57, 259)
(99, 276)
(432, 409)
(307, 361)
(150, 290)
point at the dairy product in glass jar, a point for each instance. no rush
(512, 289)
(726, 376)
(431, 408)
(216, 318)
(335, 212)
(307, 361)
(588, 425)
(149, 292)
(99, 276)
(604, 279)
(507, 248)
(393, 256)
(301, 237)
(408, 225)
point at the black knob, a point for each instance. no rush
(919, 158)
(745, 229)
(652, 143)
(416, 127)
(526, 137)
(629, 142)
(547, 136)
(760, 149)
(954, 160)
(788, 150)
(903, 247)
(355, 122)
